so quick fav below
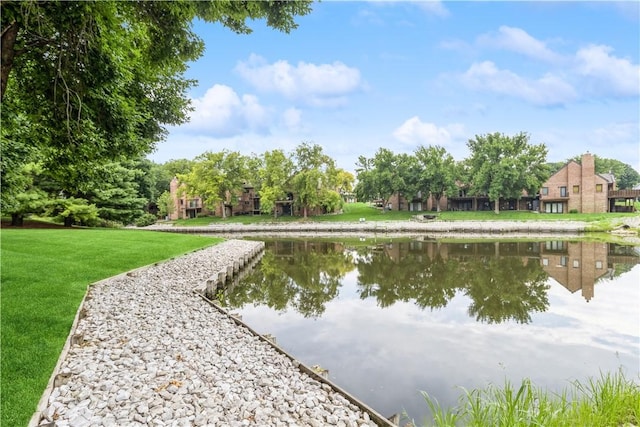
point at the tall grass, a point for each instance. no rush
(610, 400)
(44, 275)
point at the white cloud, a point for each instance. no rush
(603, 140)
(434, 7)
(292, 118)
(431, 7)
(312, 84)
(592, 71)
(416, 132)
(518, 40)
(608, 73)
(221, 112)
(548, 90)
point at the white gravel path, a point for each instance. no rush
(151, 352)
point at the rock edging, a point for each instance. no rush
(146, 350)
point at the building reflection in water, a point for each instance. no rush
(576, 265)
(503, 280)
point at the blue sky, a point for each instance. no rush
(357, 76)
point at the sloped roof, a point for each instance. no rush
(608, 177)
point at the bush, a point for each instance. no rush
(573, 211)
(107, 223)
(146, 219)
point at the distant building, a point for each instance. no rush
(576, 187)
(246, 202)
(184, 206)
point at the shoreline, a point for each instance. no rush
(147, 349)
(430, 229)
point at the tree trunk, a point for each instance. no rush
(9, 35)
(304, 210)
(224, 210)
(496, 207)
(68, 221)
(17, 220)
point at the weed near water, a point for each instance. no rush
(608, 400)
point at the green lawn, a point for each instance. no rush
(44, 275)
(352, 212)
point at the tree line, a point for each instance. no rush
(88, 88)
(137, 191)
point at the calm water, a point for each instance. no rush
(392, 317)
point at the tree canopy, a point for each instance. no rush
(438, 172)
(381, 176)
(502, 166)
(84, 83)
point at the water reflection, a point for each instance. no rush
(501, 287)
(505, 281)
(303, 275)
(389, 318)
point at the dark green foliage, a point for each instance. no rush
(502, 166)
(87, 83)
(145, 220)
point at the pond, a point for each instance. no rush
(391, 317)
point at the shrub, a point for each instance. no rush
(107, 223)
(146, 219)
(573, 211)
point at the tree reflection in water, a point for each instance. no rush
(501, 287)
(302, 275)
(505, 281)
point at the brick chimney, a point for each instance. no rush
(587, 184)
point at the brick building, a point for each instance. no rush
(245, 202)
(578, 188)
(184, 206)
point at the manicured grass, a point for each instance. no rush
(352, 212)
(44, 276)
(610, 400)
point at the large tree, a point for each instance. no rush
(502, 166)
(88, 82)
(626, 176)
(274, 176)
(381, 176)
(216, 177)
(313, 182)
(438, 172)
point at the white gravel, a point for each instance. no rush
(149, 351)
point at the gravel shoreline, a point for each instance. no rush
(148, 350)
(419, 228)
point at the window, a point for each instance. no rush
(554, 245)
(563, 192)
(599, 265)
(545, 261)
(598, 188)
(553, 207)
(576, 189)
(544, 191)
(576, 263)
(564, 260)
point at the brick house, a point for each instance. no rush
(418, 203)
(184, 206)
(245, 203)
(577, 187)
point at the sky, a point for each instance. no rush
(358, 76)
